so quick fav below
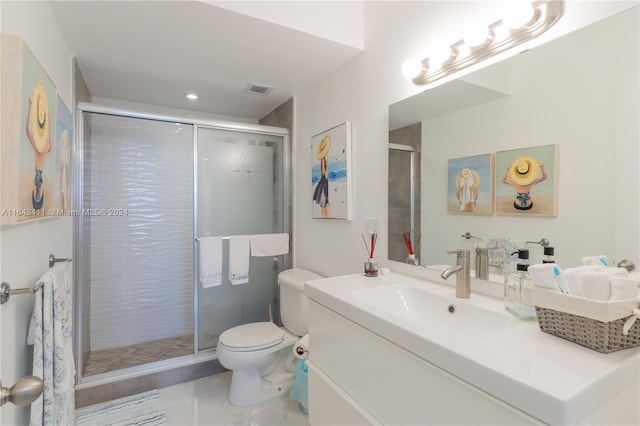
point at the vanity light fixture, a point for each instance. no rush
(191, 96)
(529, 18)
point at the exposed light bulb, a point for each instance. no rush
(517, 13)
(476, 36)
(438, 55)
(411, 67)
(192, 96)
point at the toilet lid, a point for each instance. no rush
(252, 337)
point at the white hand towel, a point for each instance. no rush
(600, 259)
(210, 256)
(595, 285)
(623, 288)
(239, 259)
(573, 279)
(617, 272)
(587, 268)
(269, 244)
(543, 276)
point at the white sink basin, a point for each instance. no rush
(420, 306)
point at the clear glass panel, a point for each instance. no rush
(240, 192)
(138, 241)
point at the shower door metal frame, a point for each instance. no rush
(79, 256)
(255, 129)
(412, 177)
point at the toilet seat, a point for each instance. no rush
(252, 337)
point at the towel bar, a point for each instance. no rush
(198, 238)
(6, 291)
(53, 260)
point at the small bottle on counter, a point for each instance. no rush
(371, 268)
(518, 289)
(411, 259)
(548, 255)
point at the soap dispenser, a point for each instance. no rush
(548, 255)
(518, 289)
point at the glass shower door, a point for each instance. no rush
(136, 251)
(240, 191)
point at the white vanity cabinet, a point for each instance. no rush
(358, 377)
(399, 350)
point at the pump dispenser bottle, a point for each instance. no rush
(548, 255)
(518, 289)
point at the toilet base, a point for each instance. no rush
(248, 388)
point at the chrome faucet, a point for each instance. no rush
(463, 273)
(482, 263)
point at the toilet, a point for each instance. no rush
(260, 354)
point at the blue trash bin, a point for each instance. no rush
(300, 390)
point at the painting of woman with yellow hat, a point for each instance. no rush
(36, 170)
(470, 184)
(330, 180)
(528, 184)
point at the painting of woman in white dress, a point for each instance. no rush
(470, 188)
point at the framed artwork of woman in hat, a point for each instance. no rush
(36, 170)
(321, 193)
(330, 173)
(529, 182)
(470, 185)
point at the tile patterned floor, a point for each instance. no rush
(203, 402)
(142, 353)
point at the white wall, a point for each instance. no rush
(360, 92)
(25, 248)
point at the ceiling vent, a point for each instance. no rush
(258, 89)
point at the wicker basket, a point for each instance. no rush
(600, 336)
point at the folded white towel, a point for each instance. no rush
(543, 276)
(587, 268)
(617, 272)
(595, 285)
(600, 259)
(624, 288)
(269, 244)
(573, 280)
(210, 259)
(239, 259)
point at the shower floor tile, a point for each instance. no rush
(112, 359)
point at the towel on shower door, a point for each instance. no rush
(239, 259)
(52, 349)
(210, 259)
(269, 244)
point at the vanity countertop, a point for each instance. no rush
(551, 379)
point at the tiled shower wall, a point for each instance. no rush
(399, 201)
(141, 238)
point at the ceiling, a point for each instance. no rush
(154, 52)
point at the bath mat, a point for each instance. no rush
(144, 409)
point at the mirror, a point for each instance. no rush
(579, 92)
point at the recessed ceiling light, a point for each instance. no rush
(192, 96)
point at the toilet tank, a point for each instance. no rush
(293, 301)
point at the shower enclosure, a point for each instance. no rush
(404, 190)
(147, 188)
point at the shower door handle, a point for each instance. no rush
(23, 392)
